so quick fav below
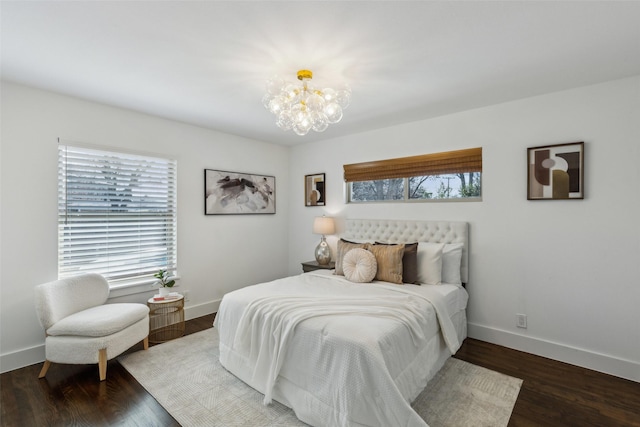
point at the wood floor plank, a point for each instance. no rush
(553, 393)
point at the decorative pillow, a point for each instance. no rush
(359, 265)
(430, 263)
(451, 262)
(345, 246)
(389, 259)
(409, 262)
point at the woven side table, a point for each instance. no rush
(166, 319)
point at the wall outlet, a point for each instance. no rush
(186, 295)
(521, 321)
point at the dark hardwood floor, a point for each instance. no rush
(552, 394)
(558, 394)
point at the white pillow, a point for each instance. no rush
(430, 263)
(359, 265)
(451, 263)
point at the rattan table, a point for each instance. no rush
(166, 319)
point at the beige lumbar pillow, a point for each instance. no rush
(359, 265)
(389, 259)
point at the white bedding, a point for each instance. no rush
(345, 354)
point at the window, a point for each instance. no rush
(440, 176)
(116, 215)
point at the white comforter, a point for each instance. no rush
(336, 352)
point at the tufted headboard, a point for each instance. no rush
(409, 231)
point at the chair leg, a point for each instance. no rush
(145, 343)
(102, 364)
(44, 369)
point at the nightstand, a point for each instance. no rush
(313, 265)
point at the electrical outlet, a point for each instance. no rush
(521, 321)
(186, 295)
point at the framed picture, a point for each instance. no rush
(555, 172)
(229, 193)
(314, 192)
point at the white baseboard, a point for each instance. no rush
(21, 358)
(608, 364)
(31, 356)
(199, 310)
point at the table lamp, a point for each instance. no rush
(323, 225)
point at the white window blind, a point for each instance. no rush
(116, 215)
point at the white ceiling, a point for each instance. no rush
(206, 62)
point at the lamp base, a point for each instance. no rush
(323, 252)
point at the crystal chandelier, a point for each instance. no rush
(304, 107)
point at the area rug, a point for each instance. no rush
(186, 378)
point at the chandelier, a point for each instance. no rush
(304, 107)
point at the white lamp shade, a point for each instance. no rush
(324, 225)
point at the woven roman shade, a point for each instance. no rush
(460, 161)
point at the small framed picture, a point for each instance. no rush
(555, 172)
(314, 190)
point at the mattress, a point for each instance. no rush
(357, 355)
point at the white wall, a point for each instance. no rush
(573, 267)
(216, 253)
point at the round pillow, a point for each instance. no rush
(359, 265)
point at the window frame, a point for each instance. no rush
(148, 218)
(426, 165)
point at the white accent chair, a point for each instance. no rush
(81, 328)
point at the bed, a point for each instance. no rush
(350, 353)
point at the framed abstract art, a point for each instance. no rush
(229, 193)
(314, 190)
(555, 172)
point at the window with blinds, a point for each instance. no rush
(439, 176)
(117, 215)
